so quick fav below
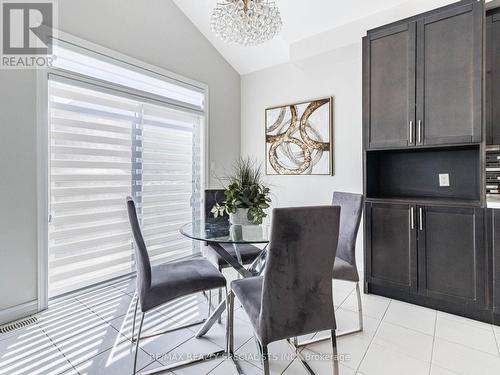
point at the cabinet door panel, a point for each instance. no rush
(493, 79)
(494, 237)
(451, 254)
(390, 59)
(389, 242)
(449, 69)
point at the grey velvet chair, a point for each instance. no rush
(294, 296)
(157, 285)
(345, 260)
(247, 252)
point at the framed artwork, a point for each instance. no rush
(299, 138)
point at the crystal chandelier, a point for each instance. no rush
(246, 22)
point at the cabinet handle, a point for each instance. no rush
(421, 219)
(411, 132)
(412, 219)
(419, 131)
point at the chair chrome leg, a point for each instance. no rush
(335, 354)
(209, 302)
(345, 333)
(230, 324)
(220, 300)
(360, 307)
(257, 344)
(265, 360)
(135, 315)
(137, 343)
(230, 332)
(186, 363)
(177, 328)
(293, 344)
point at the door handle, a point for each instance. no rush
(419, 131)
(420, 219)
(412, 219)
(411, 133)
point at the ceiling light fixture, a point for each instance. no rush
(246, 22)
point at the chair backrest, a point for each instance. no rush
(142, 261)
(350, 217)
(213, 196)
(297, 287)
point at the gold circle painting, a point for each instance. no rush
(299, 138)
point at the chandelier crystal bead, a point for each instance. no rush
(246, 22)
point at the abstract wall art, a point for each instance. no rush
(299, 138)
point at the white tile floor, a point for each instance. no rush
(90, 334)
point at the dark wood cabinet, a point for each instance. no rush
(492, 108)
(428, 239)
(493, 238)
(423, 79)
(390, 244)
(451, 254)
(449, 76)
(391, 72)
(426, 254)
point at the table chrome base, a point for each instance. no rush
(211, 320)
(296, 349)
(253, 270)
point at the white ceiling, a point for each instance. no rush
(301, 19)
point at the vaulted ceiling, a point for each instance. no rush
(302, 20)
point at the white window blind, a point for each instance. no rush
(103, 147)
(91, 64)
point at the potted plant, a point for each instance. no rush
(246, 197)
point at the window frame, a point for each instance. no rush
(42, 133)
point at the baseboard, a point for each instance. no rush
(18, 312)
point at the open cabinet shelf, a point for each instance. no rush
(414, 175)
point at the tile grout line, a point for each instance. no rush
(168, 319)
(100, 352)
(433, 341)
(409, 328)
(132, 343)
(55, 344)
(102, 303)
(468, 347)
(336, 309)
(373, 338)
(346, 297)
(212, 370)
(496, 339)
(59, 350)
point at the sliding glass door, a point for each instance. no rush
(105, 145)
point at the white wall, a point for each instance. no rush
(18, 266)
(337, 75)
(154, 31)
(327, 75)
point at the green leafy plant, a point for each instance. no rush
(245, 190)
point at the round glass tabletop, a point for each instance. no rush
(224, 232)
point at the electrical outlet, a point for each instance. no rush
(444, 179)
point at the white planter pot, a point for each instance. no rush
(240, 217)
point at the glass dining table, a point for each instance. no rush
(217, 233)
